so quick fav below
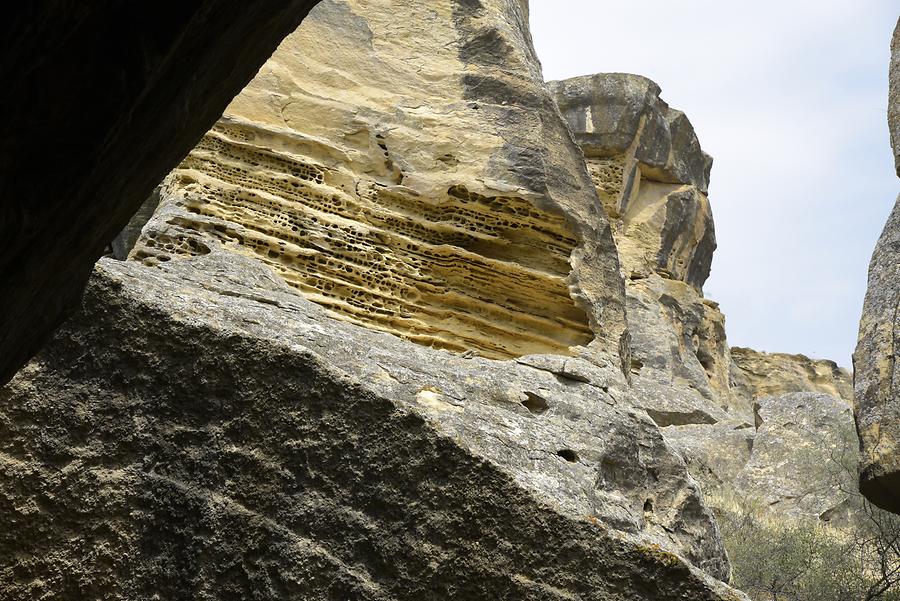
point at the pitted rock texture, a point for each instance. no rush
(774, 374)
(877, 373)
(111, 94)
(422, 185)
(651, 176)
(310, 458)
(465, 273)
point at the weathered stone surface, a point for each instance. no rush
(716, 454)
(799, 464)
(678, 342)
(100, 100)
(775, 374)
(619, 113)
(422, 185)
(876, 362)
(877, 373)
(202, 431)
(221, 435)
(651, 176)
(795, 460)
(894, 96)
(651, 179)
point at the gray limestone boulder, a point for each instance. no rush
(894, 96)
(716, 454)
(804, 456)
(200, 431)
(795, 460)
(877, 373)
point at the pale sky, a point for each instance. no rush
(790, 98)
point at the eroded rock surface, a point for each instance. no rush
(726, 410)
(795, 460)
(876, 361)
(201, 430)
(101, 100)
(293, 388)
(894, 96)
(877, 373)
(652, 176)
(803, 456)
(422, 185)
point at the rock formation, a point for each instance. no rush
(101, 100)
(877, 357)
(200, 430)
(652, 177)
(409, 323)
(775, 374)
(798, 453)
(894, 96)
(728, 411)
(372, 345)
(792, 460)
(877, 376)
(419, 189)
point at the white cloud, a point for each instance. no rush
(790, 98)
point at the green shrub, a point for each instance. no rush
(775, 558)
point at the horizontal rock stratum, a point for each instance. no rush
(415, 186)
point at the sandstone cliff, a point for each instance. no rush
(652, 177)
(728, 411)
(371, 345)
(877, 357)
(412, 185)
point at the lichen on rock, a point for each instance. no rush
(652, 177)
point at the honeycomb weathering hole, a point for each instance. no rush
(463, 272)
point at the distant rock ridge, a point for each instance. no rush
(774, 374)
